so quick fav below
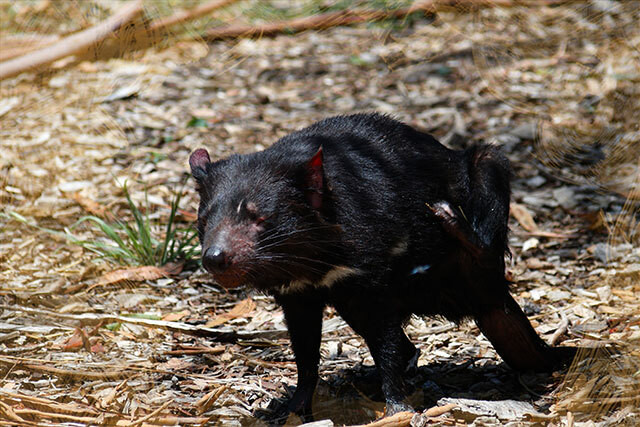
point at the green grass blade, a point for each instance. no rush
(134, 242)
(107, 229)
(170, 234)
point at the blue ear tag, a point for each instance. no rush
(420, 269)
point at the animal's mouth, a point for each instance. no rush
(229, 278)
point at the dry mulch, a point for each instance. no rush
(558, 88)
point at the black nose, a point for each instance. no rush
(215, 259)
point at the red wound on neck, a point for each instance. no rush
(315, 180)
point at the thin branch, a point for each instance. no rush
(151, 415)
(26, 45)
(9, 413)
(147, 34)
(316, 22)
(40, 415)
(185, 328)
(48, 403)
(401, 419)
(564, 326)
(164, 23)
(67, 373)
(74, 44)
(351, 17)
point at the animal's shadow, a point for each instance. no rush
(354, 396)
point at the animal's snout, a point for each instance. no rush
(228, 251)
(215, 259)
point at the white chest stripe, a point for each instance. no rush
(400, 248)
(331, 277)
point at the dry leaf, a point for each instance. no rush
(76, 341)
(531, 243)
(188, 215)
(175, 317)
(241, 309)
(595, 220)
(137, 274)
(92, 207)
(97, 348)
(524, 217)
(207, 401)
(175, 364)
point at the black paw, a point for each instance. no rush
(279, 410)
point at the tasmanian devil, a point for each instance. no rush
(378, 220)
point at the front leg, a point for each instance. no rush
(410, 355)
(303, 316)
(389, 346)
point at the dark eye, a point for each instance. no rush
(253, 214)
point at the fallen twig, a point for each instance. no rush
(266, 363)
(316, 22)
(27, 46)
(8, 411)
(404, 418)
(548, 234)
(196, 350)
(564, 325)
(22, 349)
(106, 401)
(57, 416)
(207, 401)
(137, 274)
(66, 373)
(185, 328)
(74, 44)
(400, 419)
(48, 403)
(164, 23)
(175, 421)
(351, 17)
(148, 34)
(150, 415)
(436, 411)
(144, 36)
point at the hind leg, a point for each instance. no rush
(304, 322)
(410, 355)
(498, 315)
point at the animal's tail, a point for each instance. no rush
(515, 340)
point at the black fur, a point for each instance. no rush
(412, 227)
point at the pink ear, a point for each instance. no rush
(198, 161)
(315, 180)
